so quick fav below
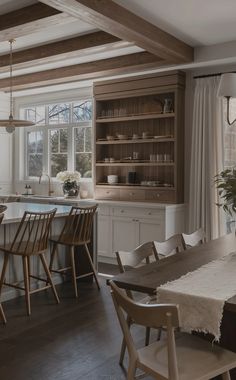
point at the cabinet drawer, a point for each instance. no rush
(107, 194)
(131, 195)
(103, 210)
(139, 212)
(160, 195)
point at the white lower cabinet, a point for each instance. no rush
(124, 228)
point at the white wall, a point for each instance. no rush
(5, 148)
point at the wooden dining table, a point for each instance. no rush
(148, 277)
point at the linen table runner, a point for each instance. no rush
(201, 295)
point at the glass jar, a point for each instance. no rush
(70, 189)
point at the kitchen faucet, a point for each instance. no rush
(50, 192)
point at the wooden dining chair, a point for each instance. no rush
(76, 232)
(195, 238)
(170, 246)
(31, 239)
(129, 260)
(184, 357)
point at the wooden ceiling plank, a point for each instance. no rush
(59, 48)
(117, 20)
(96, 69)
(30, 19)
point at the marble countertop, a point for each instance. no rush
(15, 210)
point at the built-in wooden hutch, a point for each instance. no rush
(139, 136)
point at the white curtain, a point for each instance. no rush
(207, 158)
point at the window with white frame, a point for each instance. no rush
(61, 139)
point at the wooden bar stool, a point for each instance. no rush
(2, 209)
(77, 231)
(31, 239)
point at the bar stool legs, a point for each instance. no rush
(26, 283)
(49, 277)
(2, 315)
(72, 258)
(92, 266)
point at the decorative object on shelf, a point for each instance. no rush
(227, 89)
(131, 177)
(122, 137)
(70, 185)
(144, 135)
(109, 138)
(10, 124)
(112, 179)
(168, 105)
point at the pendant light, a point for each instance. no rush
(10, 124)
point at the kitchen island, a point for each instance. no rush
(12, 218)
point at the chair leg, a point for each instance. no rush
(72, 258)
(226, 376)
(4, 269)
(159, 331)
(147, 336)
(131, 370)
(92, 266)
(49, 277)
(2, 315)
(26, 281)
(123, 345)
(53, 253)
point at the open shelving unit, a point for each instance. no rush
(134, 134)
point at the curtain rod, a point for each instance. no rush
(211, 75)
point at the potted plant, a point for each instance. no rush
(70, 181)
(226, 184)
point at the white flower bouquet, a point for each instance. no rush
(67, 176)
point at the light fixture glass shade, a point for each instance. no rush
(227, 85)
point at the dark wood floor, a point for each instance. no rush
(78, 339)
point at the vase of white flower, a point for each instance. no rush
(70, 184)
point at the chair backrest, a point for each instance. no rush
(33, 232)
(195, 238)
(156, 316)
(137, 256)
(173, 245)
(78, 225)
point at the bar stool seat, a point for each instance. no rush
(77, 231)
(31, 239)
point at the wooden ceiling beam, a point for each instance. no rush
(59, 50)
(30, 19)
(89, 70)
(117, 20)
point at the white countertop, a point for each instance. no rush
(15, 210)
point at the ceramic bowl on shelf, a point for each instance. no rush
(108, 137)
(122, 137)
(112, 179)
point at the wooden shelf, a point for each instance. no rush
(134, 186)
(135, 117)
(134, 163)
(134, 141)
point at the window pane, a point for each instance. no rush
(88, 139)
(82, 111)
(63, 140)
(35, 153)
(79, 139)
(59, 113)
(58, 149)
(84, 164)
(36, 114)
(54, 141)
(35, 162)
(58, 163)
